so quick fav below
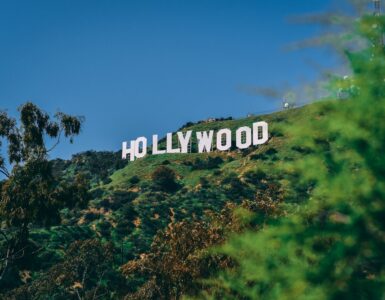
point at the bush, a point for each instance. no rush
(209, 163)
(254, 177)
(164, 179)
(233, 186)
(134, 180)
(204, 182)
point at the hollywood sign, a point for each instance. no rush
(245, 137)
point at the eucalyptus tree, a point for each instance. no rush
(29, 194)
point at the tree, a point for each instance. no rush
(164, 179)
(332, 245)
(30, 194)
(180, 255)
(86, 272)
(26, 142)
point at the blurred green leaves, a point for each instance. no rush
(333, 246)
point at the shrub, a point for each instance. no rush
(209, 163)
(203, 182)
(254, 177)
(164, 179)
(134, 180)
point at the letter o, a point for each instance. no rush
(227, 134)
(247, 131)
(140, 142)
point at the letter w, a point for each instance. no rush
(205, 140)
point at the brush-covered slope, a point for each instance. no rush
(124, 207)
(130, 206)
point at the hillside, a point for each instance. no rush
(129, 209)
(301, 216)
(128, 205)
(150, 229)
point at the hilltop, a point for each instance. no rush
(130, 203)
(126, 207)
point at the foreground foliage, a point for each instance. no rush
(333, 247)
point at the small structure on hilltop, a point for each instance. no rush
(377, 13)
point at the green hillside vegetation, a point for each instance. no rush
(131, 189)
(205, 182)
(300, 217)
(127, 209)
(182, 163)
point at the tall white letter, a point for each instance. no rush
(184, 140)
(130, 151)
(141, 140)
(205, 141)
(227, 134)
(260, 133)
(169, 145)
(155, 145)
(247, 131)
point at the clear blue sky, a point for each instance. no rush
(136, 68)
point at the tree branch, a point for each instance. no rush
(77, 293)
(6, 258)
(57, 142)
(4, 171)
(97, 287)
